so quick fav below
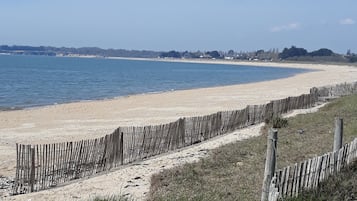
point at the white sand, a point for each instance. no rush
(92, 119)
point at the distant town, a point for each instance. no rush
(287, 54)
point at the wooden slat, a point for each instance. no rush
(64, 162)
(17, 176)
(28, 153)
(303, 176)
(21, 176)
(307, 175)
(332, 163)
(73, 159)
(57, 163)
(52, 164)
(32, 168)
(286, 182)
(40, 166)
(339, 160)
(153, 140)
(294, 181)
(84, 158)
(312, 173)
(91, 156)
(298, 180)
(318, 171)
(37, 167)
(323, 168)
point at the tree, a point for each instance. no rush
(292, 52)
(214, 54)
(171, 54)
(352, 58)
(230, 53)
(258, 52)
(322, 52)
(348, 52)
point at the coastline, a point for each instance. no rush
(91, 119)
(34, 107)
(16, 104)
(291, 64)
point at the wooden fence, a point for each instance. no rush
(292, 180)
(337, 90)
(47, 165)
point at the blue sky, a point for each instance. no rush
(181, 25)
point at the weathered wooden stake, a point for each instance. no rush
(269, 162)
(337, 142)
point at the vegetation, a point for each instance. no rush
(279, 122)
(53, 51)
(171, 54)
(288, 54)
(174, 54)
(352, 57)
(292, 52)
(214, 54)
(321, 55)
(323, 52)
(296, 52)
(235, 171)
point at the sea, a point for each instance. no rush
(33, 81)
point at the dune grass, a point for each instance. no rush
(235, 171)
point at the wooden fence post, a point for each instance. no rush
(337, 142)
(269, 162)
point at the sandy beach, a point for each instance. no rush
(84, 120)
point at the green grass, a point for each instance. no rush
(235, 171)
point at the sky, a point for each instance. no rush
(163, 25)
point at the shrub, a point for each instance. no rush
(279, 122)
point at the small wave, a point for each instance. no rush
(10, 108)
(158, 92)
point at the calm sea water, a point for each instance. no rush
(28, 81)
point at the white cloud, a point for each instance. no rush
(347, 21)
(288, 27)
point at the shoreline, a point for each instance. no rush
(287, 64)
(91, 119)
(16, 108)
(168, 60)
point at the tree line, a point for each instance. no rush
(323, 54)
(290, 54)
(65, 51)
(293, 53)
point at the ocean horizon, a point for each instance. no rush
(34, 81)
